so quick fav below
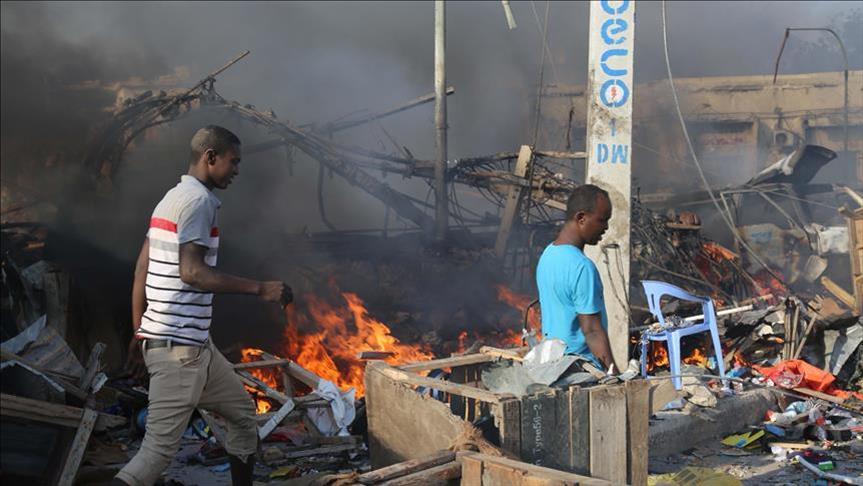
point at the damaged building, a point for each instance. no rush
(413, 348)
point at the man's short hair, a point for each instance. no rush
(583, 199)
(214, 137)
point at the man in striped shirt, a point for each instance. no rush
(172, 301)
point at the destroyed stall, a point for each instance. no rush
(412, 347)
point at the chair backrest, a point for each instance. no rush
(656, 290)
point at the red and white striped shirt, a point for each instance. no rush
(175, 310)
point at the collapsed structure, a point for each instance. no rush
(789, 302)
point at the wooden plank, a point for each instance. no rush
(450, 362)
(471, 471)
(433, 476)
(79, 445)
(256, 383)
(263, 363)
(637, 420)
(508, 421)
(822, 396)
(513, 201)
(326, 450)
(608, 433)
(405, 468)
(276, 419)
(538, 429)
(502, 353)
(52, 413)
(573, 419)
(94, 366)
(403, 424)
(364, 355)
(838, 292)
(525, 469)
(453, 388)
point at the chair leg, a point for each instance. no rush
(674, 359)
(644, 358)
(720, 360)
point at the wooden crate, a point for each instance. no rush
(598, 431)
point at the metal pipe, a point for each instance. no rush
(440, 119)
(788, 30)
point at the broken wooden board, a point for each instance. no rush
(79, 445)
(539, 426)
(53, 413)
(573, 441)
(441, 475)
(608, 433)
(486, 470)
(435, 364)
(405, 468)
(637, 422)
(404, 425)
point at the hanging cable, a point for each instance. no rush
(704, 181)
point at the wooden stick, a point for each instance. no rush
(79, 446)
(454, 388)
(819, 395)
(275, 420)
(434, 364)
(264, 363)
(52, 413)
(405, 468)
(502, 353)
(365, 355)
(805, 337)
(838, 292)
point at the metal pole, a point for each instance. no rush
(441, 211)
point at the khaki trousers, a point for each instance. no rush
(183, 378)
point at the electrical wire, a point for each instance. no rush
(722, 213)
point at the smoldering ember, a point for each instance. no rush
(476, 243)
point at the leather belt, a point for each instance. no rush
(162, 343)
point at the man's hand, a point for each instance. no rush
(135, 367)
(596, 338)
(276, 291)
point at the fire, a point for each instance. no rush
(697, 358)
(264, 374)
(520, 302)
(657, 356)
(342, 331)
(462, 341)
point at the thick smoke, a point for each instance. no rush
(315, 62)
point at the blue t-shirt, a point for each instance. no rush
(568, 285)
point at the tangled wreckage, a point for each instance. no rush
(357, 401)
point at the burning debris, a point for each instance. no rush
(403, 342)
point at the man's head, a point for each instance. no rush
(215, 156)
(588, 211)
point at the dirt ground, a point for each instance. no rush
(760, 467)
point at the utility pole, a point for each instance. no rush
(609, 153)
(441, 209)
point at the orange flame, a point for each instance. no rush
(341, 333)
(520, 302)
(267, 375)
(657, 356)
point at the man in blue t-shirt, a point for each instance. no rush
(570, 290)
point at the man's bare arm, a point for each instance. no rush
(195, 272)
(139, 293)
(596, 338)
